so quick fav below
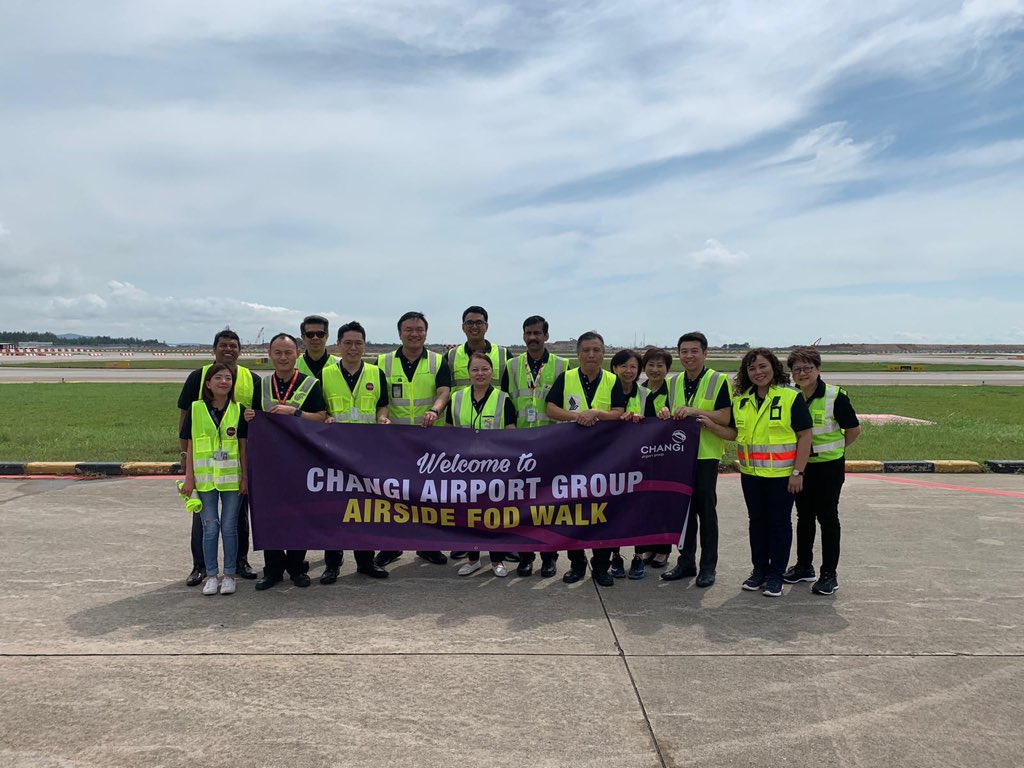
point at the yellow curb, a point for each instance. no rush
(148, 467)
(864, 466)
(50, 467)
(961, 467)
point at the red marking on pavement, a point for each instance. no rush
(942, 486)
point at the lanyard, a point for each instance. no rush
(291, 388)
(531, 379)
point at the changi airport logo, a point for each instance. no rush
(677, 445)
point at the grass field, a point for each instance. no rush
(138, 422)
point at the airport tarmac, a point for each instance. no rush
(108, 659)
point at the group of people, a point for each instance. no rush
(791, 441)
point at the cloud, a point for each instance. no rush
(714, 254)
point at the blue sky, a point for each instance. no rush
(768, 173)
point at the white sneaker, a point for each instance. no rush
(500, 570)
(227, 587)
(211, 586)
(469, 567)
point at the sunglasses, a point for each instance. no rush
(316, 334)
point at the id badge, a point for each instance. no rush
(531, 414)
(396, 391)
(488, 423)
(220, 455)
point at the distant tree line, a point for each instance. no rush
(80, 341)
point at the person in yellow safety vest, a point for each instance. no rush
(625, 365)
(215, 436)
(227, 348)
(655, 364)
(474, 325)
(481, 406)
(700, 390)
(315, 330)
(527, 379)
(835, 428)
(356, 393)
(586, 395)
(772, 429)
(288, 392)
(419, 382)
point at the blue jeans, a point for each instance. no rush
(214, 527)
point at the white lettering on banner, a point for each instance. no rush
(594, 486)
(331, 480)
(472, 491)
(429, 463)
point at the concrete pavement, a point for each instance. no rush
(108, 659)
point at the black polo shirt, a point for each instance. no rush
(556, 395)
(314, 402)
(316, 367)
(722, 399)
(443, 377)
(190, 391)
(535, 365)
(649, 409)
(352, 379)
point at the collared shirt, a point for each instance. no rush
(535, 366)
(842, 411)
(316, 367)
(443, 377)
(722, 399)
(556, 395)
(352, 379)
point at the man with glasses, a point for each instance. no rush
(227, 348)
(700, 390)
(419, 384)
(474, 325)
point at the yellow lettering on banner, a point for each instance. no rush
(382, 511)
(473, 516)
(448, 516)
(353, 512)
(510, 518)
(543, 515)
(492, 518)
(428, 515)
(597, 512)
(401, 513)
(564, 516)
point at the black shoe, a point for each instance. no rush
(705, 579)
(572, 575)
(755, 581)
(302, 580)
(386, 557)
(437, 558)
(826, 584)
(773, 587)
(798, 573)
(511, 557)
(617, 568)
(456, 555)
(652, 562)
(681, 571)
(197, 575)
(604, 579)
(524, 569)
(245, 570)
(267, 581)
(637, 569)
(329, 576)
(373, 571)
(548, 569)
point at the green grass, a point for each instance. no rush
(138, 422)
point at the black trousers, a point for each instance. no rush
(277, 561)
(769, 509)
(545, 557)
(332, 558)
(818, 503)
(599, 563)
(243, 536)
(703, 517)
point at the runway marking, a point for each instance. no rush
(942, 486)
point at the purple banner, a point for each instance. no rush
(367, 486)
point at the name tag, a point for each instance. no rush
(396, 391)
(220, 455)
(531, 414)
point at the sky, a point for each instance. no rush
(770, 173)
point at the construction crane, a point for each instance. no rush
(259, 338)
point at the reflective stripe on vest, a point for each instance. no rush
(524, 396)
(211, 471)
(417, 395)
(243, 384)
(297, 398)
(638, 403)
(458, 362)
(301, 364)
(491, 415)
(765, 440)
(574, 399)
(828, 441)
(347, 406)
(711, 445)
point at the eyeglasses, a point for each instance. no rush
(474, 323)
(316, 334)
(802, 369)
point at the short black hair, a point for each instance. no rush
(589, 336)
(353, 326)
(314, 320)
(474, 310)
(535, 320)
(212, 371)
(227, 333)
(694, 336)
(412, 316)
(283, 336)
(655, 353)
(625, 355)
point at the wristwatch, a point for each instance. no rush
(434, 411)
(797, 473)
(298, 412)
